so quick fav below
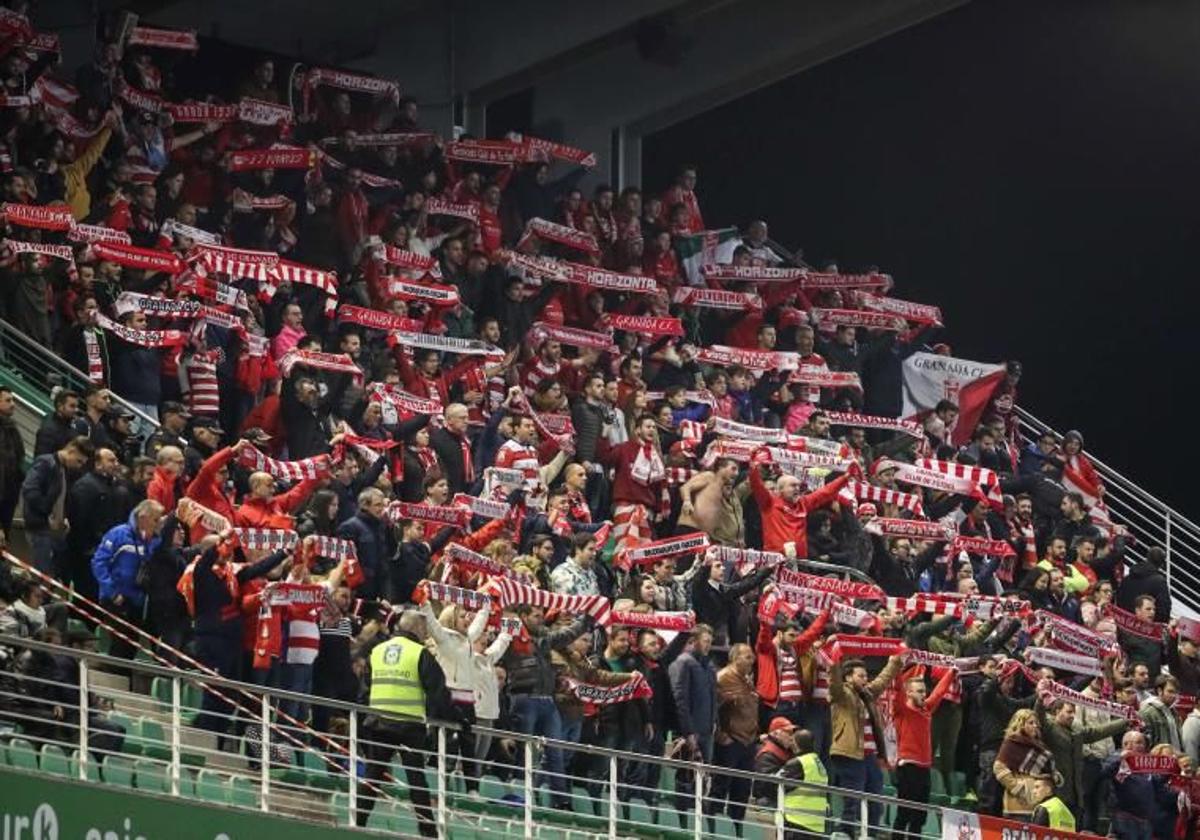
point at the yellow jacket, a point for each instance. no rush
(75, 175)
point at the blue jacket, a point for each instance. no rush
(115, 564)
(694, 684)
(373, 541)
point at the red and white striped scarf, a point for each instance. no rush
(409, 261)
(1077, 698)
(335, 548)
(335, 362)
(917, 313)
(913, 528)
(869, 492)
(746, 560)
(237, 262)
(987, 480)
(45, 217)
(512, 592)
(820, 377)
(602, 278)
(1067, 635)
(925, 604)
(844, 588)
(563, 235)
(727, 272)
(306, 469)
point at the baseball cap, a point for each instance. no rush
(255, 434)
(209, 423)
(172, 407)
(866, 509)
(781, 724)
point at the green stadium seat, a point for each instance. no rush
(244, 791)
(212, 787)
(117, 770)
(54, 761)
(153, 739)
(339, 808)
(93, 767)
(151, 775)
(133, 742)
(22, 755)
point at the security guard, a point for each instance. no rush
(1051, 812)
(804, 808)
(407, 687)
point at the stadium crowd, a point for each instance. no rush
(388, 385)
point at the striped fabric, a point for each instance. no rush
(511, 592)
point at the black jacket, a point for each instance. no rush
(373, 540)
(716, 606)
(308, 428)
(995, 711)
(449, 452)
(1146, 579)
(95, 503)
(40, 490)
(12, 458)
(897, 578)
(135, 372)
(588, 421)
(528, 665)
(212, 595)
(53, 434)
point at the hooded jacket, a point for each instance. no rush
(118, 559)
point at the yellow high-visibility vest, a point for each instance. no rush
(1060, 814)
(803, 806)
(395, 679)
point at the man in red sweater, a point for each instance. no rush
(785, 512)
(779, 650)
(914, 747)
(639, 478)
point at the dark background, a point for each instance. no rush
(1029, 167)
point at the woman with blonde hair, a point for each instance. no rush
(1022, 760)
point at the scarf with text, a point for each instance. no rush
(95, 363)
(635, 688)
(822, 377)
(814, 602)
(1058, 691)
(1061, 660)
(570, 237)
(717, 299)
(981, 545)
(346, 80)
(646, 324)
(492, 152)
(398, 139)
(445, 207)
(745, 560)
(594, 277)
(163, 39)
(142, 338)
(917, 313)
(448, 344)
(869, 421)
(844, 588)
(1067, 635)
(805, 460)
(650, 553)
(838, 647)
(486, 508)
(472, 561)
(333, 362)
(749, 431)
(432, 293)
(648, 465)
(674, 621)
(538, 149)
(56, 217)
(751, 273)
(913, 528)
(719, 354)
(374, 319)
(409, 261)
(281, 157)
(440, 515)
(131, 256)
(402, 401)
(1146, 764)
(237, 262)
(213, 290)
(818, 280)
(305, 469)
(571, 336)
(1130, 623)
(336, 548)
(987, 480)
(172, 228)
(831, 318)
(97, 233)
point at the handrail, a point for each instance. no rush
(1151, 520)
(28, 350)
(94, 658)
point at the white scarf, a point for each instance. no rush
(648, 467)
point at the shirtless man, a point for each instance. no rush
(711, 505)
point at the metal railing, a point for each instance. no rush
(1151, 520)
(364, 774)
(33, 369)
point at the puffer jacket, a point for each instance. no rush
(528, 664)
(117, 561)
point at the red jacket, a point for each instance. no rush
(206, 490)
(275, 512)
(784, 523)
(914, 742)
(164, 488)
(767, 683)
